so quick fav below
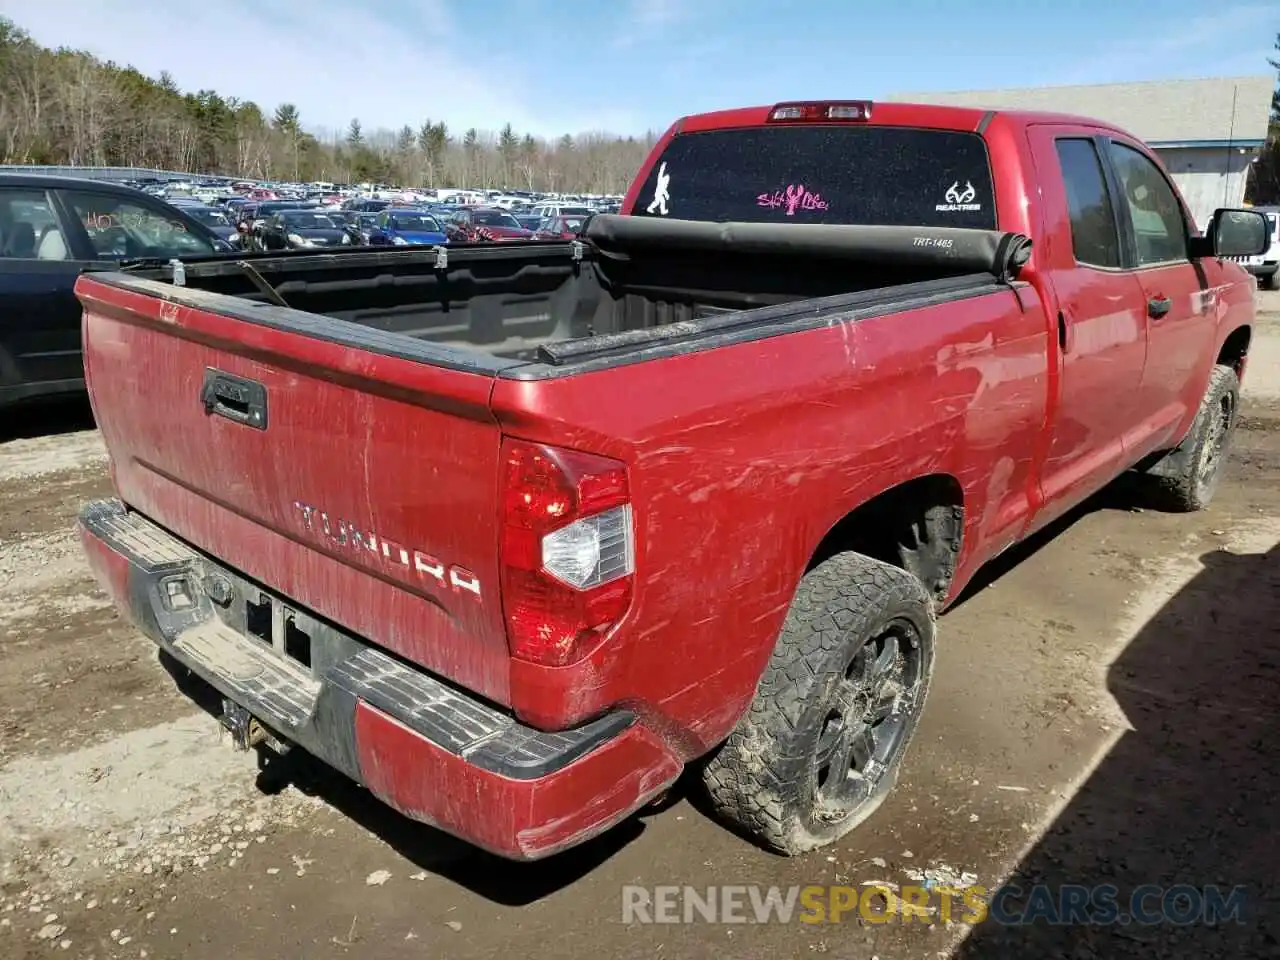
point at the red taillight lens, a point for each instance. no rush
(567, 551)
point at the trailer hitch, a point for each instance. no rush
(247, 731)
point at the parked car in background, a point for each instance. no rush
(366, 205)
(400, 226)
(1264, 266)
(52, 229)
(562, 227)
(363, 225)
(341, 218)
(269, 208)
(481, 224)
(554, 209)
(216, 220)
(529, 219)
(297, 229)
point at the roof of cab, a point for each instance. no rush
(44, 181)
(931, 115)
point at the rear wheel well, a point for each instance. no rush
(1235, 348)
(916, 526)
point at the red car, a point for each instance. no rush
(512, 535)
(563, 227)
(484, 224)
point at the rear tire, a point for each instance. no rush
(1268, 282)
(1188, 477)
(821, 745)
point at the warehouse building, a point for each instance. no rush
(1207, 132)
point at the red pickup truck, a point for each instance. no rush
(513, 533)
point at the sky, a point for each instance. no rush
(627, 66)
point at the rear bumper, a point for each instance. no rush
(426, 748)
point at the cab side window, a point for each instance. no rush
(1159, 231)
(1095, 238)
(29, 228)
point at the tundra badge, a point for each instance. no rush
(349, 536)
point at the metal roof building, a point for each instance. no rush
(1206, 131)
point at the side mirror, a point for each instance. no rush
(1238, 233)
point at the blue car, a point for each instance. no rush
(398, 226)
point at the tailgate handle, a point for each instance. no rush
(236, 398)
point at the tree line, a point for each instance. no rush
(68, 107)
(1263, 184)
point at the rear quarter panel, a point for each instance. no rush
(743, 457)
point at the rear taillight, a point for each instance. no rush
(567, 551)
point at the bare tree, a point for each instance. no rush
(65, 106)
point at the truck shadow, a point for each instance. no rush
(46, 418)
(501, 881)
(1183, 797)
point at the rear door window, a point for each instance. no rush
(1095, 239)
(897, 176)
(29, 228)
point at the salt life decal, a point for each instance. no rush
(794, 197)
(660, 197)
(959, 201)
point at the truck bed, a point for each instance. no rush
(630, 287)
(348, 451)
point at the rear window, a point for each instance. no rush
(897, 176)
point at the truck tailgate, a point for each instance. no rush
(359, 484)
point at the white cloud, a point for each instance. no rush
(334, 60)
(656, 14)
(647, 20)
(1214, 44)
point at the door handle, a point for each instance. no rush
(236, 398)
(1158, 306)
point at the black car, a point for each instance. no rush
(51, 229)
(264, 210)
(366, 205)
(296, 229)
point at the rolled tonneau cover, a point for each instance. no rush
(955, 249)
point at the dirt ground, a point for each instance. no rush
(1104, 711)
